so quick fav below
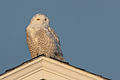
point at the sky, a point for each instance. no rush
(89, 32)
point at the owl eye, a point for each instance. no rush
(45, 19)
(38, 19)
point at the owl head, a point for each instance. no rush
(40, 19)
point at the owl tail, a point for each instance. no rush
(59, 56)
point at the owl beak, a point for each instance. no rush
(43, 22)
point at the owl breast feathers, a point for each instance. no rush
(42, 39)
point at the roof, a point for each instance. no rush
(53, 59)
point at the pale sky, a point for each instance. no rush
(89, 31)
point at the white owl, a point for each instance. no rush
(42, 39)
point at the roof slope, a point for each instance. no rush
(66, 64)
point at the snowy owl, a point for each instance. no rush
(42, 39)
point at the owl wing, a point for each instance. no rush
(29, 41)
(54, 35)
(31, 44)
(58, 51)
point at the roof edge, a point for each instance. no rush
(9, 70)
